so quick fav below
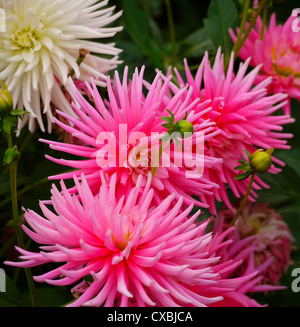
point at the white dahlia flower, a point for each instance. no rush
(2, 20)
(41, 45)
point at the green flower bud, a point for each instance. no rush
(184, 126)
(6, 100)
(260, 161)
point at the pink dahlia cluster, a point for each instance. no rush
(128, 252)
(278, 53)
(271, 235)
(124, 234)
(244, 119)
(122, 135)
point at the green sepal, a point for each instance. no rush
(171, 113)
(241, 167)
(168, 119)
(248, 154)
(18, 112)
(243, 176)
(165, 125)
(244, 166)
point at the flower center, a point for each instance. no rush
(25, 38)
(124, 229)
(121, 244)
(26, 35)
(286, 63)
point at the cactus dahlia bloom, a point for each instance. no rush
(272, 236)
(279, 55)
(41, 45)
(121, 135)
(2, 20)
(127, 252)
(243, 116)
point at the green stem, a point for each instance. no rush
(23, 147)
(172, 31)
(14, 200)
(238, 45)
(244, 201)
(242, 25)
(264, 21)
(82, 54)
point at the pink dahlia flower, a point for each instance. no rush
(121, 135)
(279, 55)
(128, 252)
(272, 235)
(241, 251)
(243, 117)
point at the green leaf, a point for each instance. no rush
(8, 123)
(16, 222)
(222, 15)
(10, 155)
(283, 188)
(12, 297)
(51, 296)
(137, 23)
(196, 44)
(291, 158)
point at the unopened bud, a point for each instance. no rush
(260, 161)
(6, 100)
(183, 126)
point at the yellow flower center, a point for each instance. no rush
(24, 38)
(120, 244)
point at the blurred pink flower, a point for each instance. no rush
(128, 113)
(279, 55)
(243, 117)
(273, 239)
(128, 252)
